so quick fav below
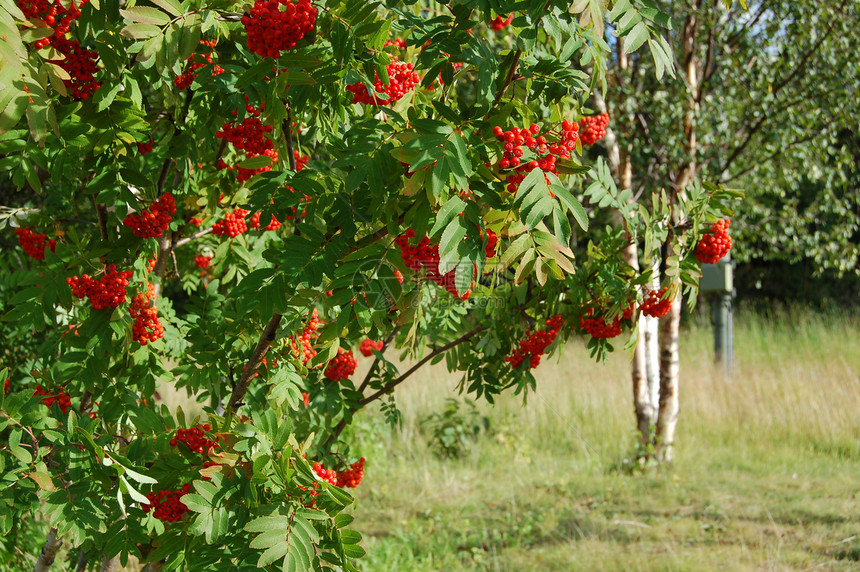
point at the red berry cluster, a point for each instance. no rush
(6, 385)
(271, 30)
(193, 64)
(233, 224)
(514, 140)
(535, 344)
(597, 326)
(150, 264)
(254, 223)
(301, 160)
(401, 80)
(152, 221)
(249, 135)
(145, 148)
(194, 438)
(426, 256)
(108, 292)
(147, 327)
(498, 24)
(716, 244)
(593, 128)
(303, 344)
(328, 475)
(80, 64)
(202, 262)
(53, 14)
(342, 366)
(492, 242)
(62, 399)
(398, 43)
(33, 243)
(349, 478)
(657, 303)
(367, 346)
(77, 61)
(166, 505)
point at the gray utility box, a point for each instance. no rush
(717, 277)
(716, 284)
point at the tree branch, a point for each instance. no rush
(49, 552)
(263, 345)
(101, 214)
(193, 237)
(509, 77)
(464, 338)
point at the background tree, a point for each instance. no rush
(762, 95)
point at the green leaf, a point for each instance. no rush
(452, 236)
(636, 37)
(257, 162)
(172, 7)
(515, 250)
(267, 523)
(146, 15)
(572, 205)
(143, 479)
(273, 553)
(446, 214)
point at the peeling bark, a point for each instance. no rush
(49, 552)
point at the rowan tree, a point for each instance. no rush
(232, 199)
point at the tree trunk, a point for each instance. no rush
(109, 564)
(670, 323)
(669, 377)
(49, 552)
(622, 168)
(643, 406)
(652, 349)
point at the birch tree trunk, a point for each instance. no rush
(622, 169)
(669, 376)
(670, 323)
(49, 552)
(649, 329)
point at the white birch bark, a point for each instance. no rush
(670, 323)
(621, 165)
(649, 329)
(49, 552)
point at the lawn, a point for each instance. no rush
(767, 474)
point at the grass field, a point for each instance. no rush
(766, 477)
(767, 474)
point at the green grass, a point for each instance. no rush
(766, 477)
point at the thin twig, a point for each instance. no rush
(442, 349)
(193, 237)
